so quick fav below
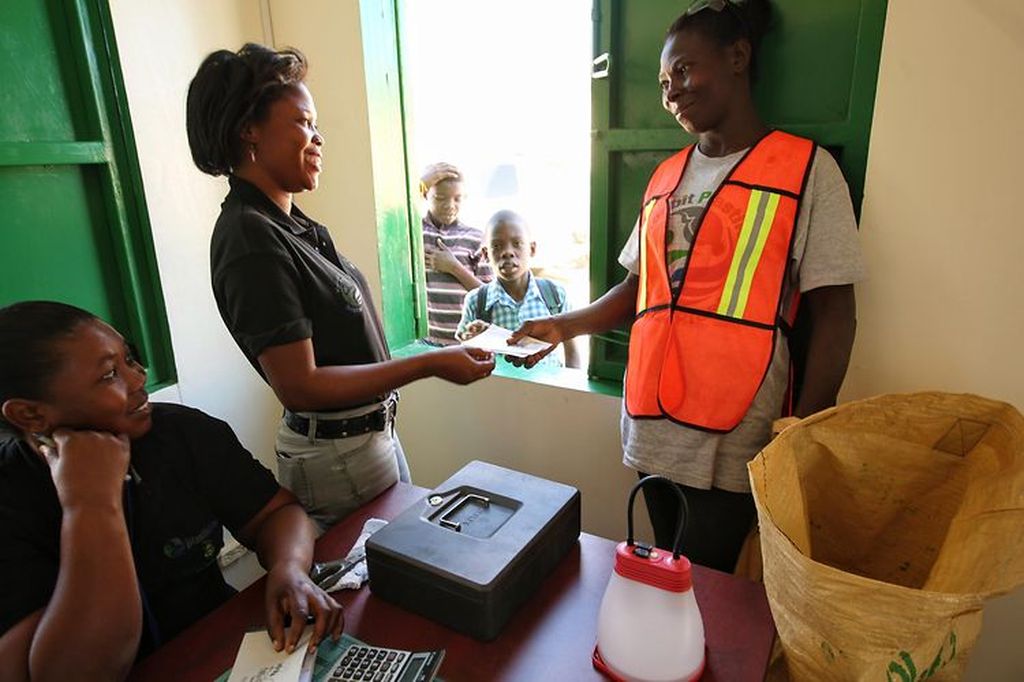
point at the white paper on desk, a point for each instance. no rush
(258, 662)
(495, 339)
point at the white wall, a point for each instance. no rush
(161, 45)
(943, 231)
(942, 227)
(328, 32)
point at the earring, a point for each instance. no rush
(252, 153)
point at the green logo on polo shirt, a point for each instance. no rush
(204, 542)
(349, 292)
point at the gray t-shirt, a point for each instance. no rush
(825, 253)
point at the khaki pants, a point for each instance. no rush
(333, 477)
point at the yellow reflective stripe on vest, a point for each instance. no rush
(757, 224)
(641, 298)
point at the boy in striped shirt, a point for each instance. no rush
(451, 251)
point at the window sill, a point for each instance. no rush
(560, 377)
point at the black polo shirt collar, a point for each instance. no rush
(298, 223)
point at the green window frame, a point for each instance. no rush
(403, 299)
(97, 151)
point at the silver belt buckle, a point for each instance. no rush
(390, 407)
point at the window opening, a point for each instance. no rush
(502, 91)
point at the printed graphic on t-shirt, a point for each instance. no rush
(684, 214)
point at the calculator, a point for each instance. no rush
(361, 663)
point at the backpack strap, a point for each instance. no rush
(482, 313)
(549, 292)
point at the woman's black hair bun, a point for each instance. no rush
(758, 16)
(229, 90)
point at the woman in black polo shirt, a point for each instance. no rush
(111, 508)
(299, 311)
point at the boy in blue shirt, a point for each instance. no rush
(515, 295)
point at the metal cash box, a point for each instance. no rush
(474, 549)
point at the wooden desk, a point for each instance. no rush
(551, 637)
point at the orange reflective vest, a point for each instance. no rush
(699, 358)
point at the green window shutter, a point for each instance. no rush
(818, 70)
(75, 227)
(397, 224)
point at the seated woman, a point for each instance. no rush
(111, 508)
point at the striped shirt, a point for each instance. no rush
(444, 292)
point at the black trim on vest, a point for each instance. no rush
(788, 328)
(664, 256)
(723, 318)
(652, 309)
(668, 212)
(762, 188)
(784, 326)
(696, 427)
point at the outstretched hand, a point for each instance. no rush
(462, 365)
(546, 329)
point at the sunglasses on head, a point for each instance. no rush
(713, 5)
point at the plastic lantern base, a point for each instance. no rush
(603, 668)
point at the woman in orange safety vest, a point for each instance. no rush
(734, 233)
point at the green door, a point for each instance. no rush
(74, 225)
(819, 66)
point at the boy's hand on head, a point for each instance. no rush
(472, 329)
(546, 329)
(88, 467)
(461, 365)
(437, 173)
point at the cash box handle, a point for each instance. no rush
(455, 525)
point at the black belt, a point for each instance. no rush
(327, 429)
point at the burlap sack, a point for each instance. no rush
(885, 524)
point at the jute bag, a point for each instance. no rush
(885, 524)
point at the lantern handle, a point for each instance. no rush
(681, 523)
